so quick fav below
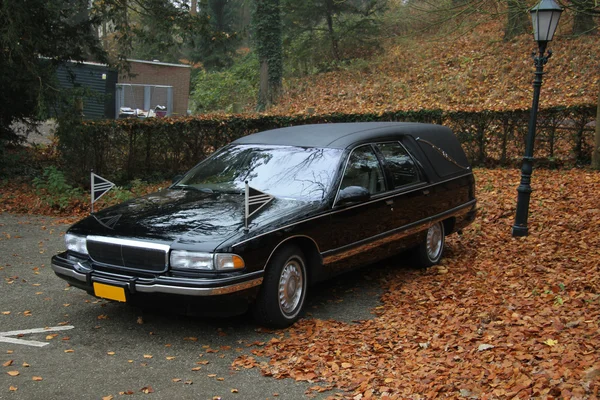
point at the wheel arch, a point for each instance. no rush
(310, 249)
(449, 224)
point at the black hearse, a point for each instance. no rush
(267, 215)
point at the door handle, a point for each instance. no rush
(389, 202)
(426, 192)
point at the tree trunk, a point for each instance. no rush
(194, 7)
(332, 36)
(583, 21)
(596, 152)
(517, 21)
(267, 26)
(263, 88)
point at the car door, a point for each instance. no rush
(356, 228)
(409, 195)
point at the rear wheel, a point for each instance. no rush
(283, 292)
(430, 251)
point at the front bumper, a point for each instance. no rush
(81, 275)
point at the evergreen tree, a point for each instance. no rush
(36, 36)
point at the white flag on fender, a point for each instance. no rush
(99, 187)
(255, 200)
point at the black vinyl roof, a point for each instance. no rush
(341, 135)
(436, 142)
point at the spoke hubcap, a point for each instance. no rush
(291, 287)
(434, 241)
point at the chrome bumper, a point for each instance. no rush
(178, 286)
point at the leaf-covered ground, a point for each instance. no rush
(470, 72)
(502, 317)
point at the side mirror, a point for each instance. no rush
(353, 194)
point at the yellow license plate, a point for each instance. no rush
(109, 292)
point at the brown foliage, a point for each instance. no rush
(502, 317)
(477, 71)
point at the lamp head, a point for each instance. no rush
(544, 17)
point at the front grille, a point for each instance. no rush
(128, 254)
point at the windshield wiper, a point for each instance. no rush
(196, 189)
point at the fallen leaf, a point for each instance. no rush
(37, 378)
(13, 373)
(234, 390)
(147, 356)
(176, 379)
(170, 358)
(52, 336)
(25, 365)
(7, 363)
(191, 339)
(109, 397)
(111, 353)
(551, 342)
(483, 347)
(69, 351)
(147, 389)
(140, 320)
(12, 388)
(5, 312)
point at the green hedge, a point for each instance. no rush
(154, 149)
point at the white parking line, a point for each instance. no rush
(4, 335)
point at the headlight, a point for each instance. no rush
(183, 259)
(76, 243)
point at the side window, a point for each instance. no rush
(363, 169)
(399, 163)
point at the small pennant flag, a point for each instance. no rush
(255, 200)
(109, 222)
(99, 187)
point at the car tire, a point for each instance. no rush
(280, 301)
(430, 251)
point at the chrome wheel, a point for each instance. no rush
(281, 298)
(434, 242)
(291, 287)
(430, 251)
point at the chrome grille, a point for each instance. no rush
(128, 254)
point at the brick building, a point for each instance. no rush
(160, 74)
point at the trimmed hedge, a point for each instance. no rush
(152, 149)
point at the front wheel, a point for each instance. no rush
(281, 297)
(430, 251)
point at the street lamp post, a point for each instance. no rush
(544, 16)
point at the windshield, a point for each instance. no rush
(282, 171)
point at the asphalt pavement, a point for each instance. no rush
(58, 342)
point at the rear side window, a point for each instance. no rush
(400, 164)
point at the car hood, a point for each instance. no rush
(190, 218)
